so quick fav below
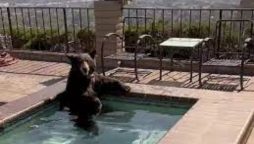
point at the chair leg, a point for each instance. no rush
(160, 56)
(191, 70)
(160, 68)
(200, 66)
(160, 74)
(241, 82)
(241, 76)
(136, 71)
(200, 76)
(200, 72)
(241, 79)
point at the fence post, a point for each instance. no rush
(219, 33)
(66, 30)
(10, 25)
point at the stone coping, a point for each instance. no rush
(14, 109)
(217, 117)
(39, 55)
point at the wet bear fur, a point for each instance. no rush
(85, 87)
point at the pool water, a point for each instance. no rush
(120, 123)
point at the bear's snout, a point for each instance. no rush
(85, 68)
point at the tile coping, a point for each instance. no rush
(210, 105)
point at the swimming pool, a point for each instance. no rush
(121, 122)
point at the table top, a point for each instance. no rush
(182, 42)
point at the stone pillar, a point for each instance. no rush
(108, 18)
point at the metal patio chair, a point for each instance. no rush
(133, 27)
(141, 51)
(229, 47)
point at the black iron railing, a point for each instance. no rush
(52, 28)
(32, 27)
(178, 21)
(194, 23)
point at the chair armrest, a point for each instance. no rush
(71, 42)
(246, 49)
(142, 37)
(248, 41)
(145, 36)
(109, 34)
(205, 54)
(112, 34)
(207, 39)
(248, 44)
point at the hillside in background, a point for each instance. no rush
(188, 3)
(143, 3)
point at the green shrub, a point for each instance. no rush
(87, 39)
(38, 42)
(34, 39)
(19, 38)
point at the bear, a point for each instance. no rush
(85, 87)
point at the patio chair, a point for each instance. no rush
(141, 51)
(133, 27)
(229, 47)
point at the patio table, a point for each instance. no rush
(182, 43)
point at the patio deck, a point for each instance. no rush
(217, 82)
(35, 75)
(26, 77)
(219, 117)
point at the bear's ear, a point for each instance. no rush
(72, 57)
(92, 54)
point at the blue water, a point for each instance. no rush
(119, 123)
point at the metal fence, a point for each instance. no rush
(177, 21)
(32, 27)
(194, 23)
(50, 25)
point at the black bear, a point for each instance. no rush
(85, 86)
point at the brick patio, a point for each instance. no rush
(220, 116)
(181, 79)
(26, 77)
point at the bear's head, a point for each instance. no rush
(83, 63)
